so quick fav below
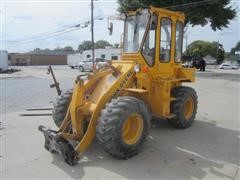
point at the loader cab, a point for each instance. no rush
(153, 37)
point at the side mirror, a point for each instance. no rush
(110, 28)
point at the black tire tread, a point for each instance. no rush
(60, 107)
(110, 123)
(181, 93)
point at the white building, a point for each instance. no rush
(3, 60)
(108, 54)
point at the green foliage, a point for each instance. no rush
(116, 45)
(68, 49)
(220, 56)
(216, 12)
(232, 54)
(236, 48)
(102, 44)
(56, 51)
(36, 50)
(85, 45)
(199, 49)
(202, 48)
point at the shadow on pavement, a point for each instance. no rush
(197, 152)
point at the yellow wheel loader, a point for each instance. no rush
(117, 101)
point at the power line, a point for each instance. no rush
(42, 34)
(216, 33)
(47, 35)
(53, 34)
(77, 27)
(189, 4)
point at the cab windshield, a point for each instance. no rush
(135, 27)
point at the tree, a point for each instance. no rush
(68, 49)
(85, 45)
(36, 50)
(216, 12)
(220, 56)
(236, 48)
(199, 49)
(232, 55)
(58, 50)
(116, 45)
(102, 44)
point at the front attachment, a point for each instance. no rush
(56, 143)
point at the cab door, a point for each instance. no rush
(166, 45)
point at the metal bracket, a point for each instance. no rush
(56, 143)
(55, 84)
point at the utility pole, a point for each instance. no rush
(186, 42)
(217, 54)
(92, 34)
(217, 51)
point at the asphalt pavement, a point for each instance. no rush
(207, 150)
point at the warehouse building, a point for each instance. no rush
(25, 59)
(40, 59)
(19, 59)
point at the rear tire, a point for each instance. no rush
(184, 107)
(60, 107)
(123, 126)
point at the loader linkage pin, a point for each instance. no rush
(55, 143)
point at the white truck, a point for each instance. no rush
(3, 60)
(73, 60)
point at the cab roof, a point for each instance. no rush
(160, 11)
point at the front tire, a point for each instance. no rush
(184, 107)
(123, 126)
(60, 107)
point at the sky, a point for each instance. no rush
(25, 19)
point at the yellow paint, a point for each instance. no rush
(132, 129)
(152, 84)
(188, 108)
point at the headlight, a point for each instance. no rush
(137, 68)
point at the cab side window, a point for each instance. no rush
(179, 39)
(165, 39)
(148, 50)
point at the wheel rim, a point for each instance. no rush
(132, 129)
(188, 108)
